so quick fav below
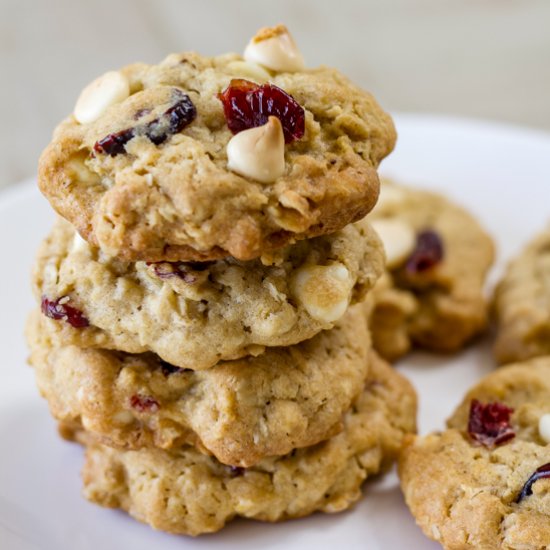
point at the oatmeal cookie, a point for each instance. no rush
(188, 492)
(522, 304)
(240, 411)
(144, 170)
(484, 482)
(195, 314)
(438, 258)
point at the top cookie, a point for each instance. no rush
(522, 304)
(148, 168)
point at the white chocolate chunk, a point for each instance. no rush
(324, 291)
(389, 199)
(250, 70)
(544, 427)
(79, 244)
(50, 273)
(81, 394)
(275, 49)
(110, 88)
(258, 153)
(398, 238)
(271, 325)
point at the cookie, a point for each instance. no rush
(194, 315)
(148, 168)
(240, 411)
(187, 492)
(522, 304)
(432, 296)
(485, 481)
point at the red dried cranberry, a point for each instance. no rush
(167, 270)
(539, 473)
(248, 105)
(141, 113)
(428, 252)
(114, 144)
(172, 121)
(489, 424)
(63, 311)
(144, 403)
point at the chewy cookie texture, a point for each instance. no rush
(202, 326)
(240, 411)
(176, 161)
(485, 481)
(195, 315)
(522, 304)
(438, 256)
(187, 492)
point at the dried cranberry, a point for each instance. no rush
(172, 121)
(141, 113)
(248, 105)
(167, 270)
(489, 424)
(236, 471)
(113, 144)
(144, 403)
(427, 253)
(539, 473)
(54, 309)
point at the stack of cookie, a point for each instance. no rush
(201, 328)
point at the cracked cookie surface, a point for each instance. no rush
(522, 304)
(190, 493)
(465, 495)
(441, 307)
(241, 411)
(194, 315)
(176, 200)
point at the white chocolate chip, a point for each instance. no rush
(81, 394)
(275, 49)
(248, 69)
(398, 237)
(50, 273)
(389, 199)
(324, 291)
(436, 533)
(544, 427)
(110, 88)
(258, 153)
(79, 244)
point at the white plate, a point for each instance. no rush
(500, 172)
